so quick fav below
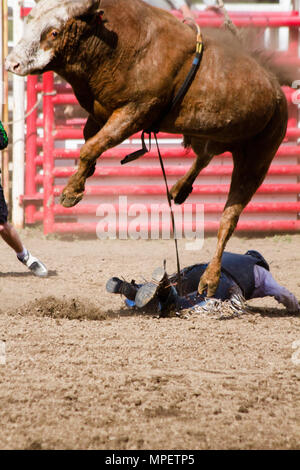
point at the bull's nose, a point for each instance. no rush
(12, 66)
(15, 67)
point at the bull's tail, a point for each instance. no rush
(285, 67)
(275, 62)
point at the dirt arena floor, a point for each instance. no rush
(84, 372)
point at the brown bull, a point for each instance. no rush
(126, 60)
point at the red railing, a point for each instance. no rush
(275, 207)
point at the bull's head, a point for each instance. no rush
(44, 26)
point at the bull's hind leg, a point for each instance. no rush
(205, 150)
(251, 163)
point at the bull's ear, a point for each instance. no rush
(83, 7)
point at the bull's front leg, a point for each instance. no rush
(121, 124)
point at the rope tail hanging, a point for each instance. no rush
(179, 284)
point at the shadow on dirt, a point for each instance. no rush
(25, 274)
(271, 312)
(130, 312)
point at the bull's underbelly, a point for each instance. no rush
(224, 126)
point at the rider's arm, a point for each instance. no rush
(265, 285)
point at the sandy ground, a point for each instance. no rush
(132, 381)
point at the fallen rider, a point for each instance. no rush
(243, 277)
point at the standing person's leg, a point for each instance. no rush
(11, 237)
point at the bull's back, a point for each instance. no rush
(232, 96)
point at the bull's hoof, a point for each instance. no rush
(208, 284)
(179, 193)
(207, 289)
(70, 200)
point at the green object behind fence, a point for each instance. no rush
(3, 137)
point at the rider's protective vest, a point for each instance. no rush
(241, 269)
(235, 268)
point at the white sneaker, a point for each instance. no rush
(35, 265)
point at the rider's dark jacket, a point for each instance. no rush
(236, 269)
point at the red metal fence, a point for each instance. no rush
(52, 151)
